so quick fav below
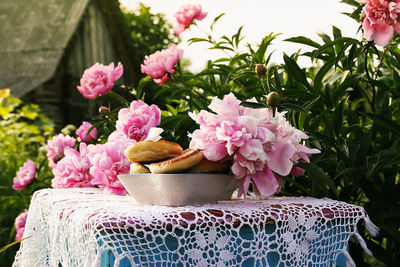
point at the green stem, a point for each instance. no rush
(263, 81)
(118, 97)
(12, 244)
(212, 40)
(371, 81)
(380, 63)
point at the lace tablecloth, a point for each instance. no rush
(84, 227)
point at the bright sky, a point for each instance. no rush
(260, 17)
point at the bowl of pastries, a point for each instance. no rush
(162, 173)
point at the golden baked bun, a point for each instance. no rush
(207, 166)
(138, 168)
(187, 160)
(150, 151)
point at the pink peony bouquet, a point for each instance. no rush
(263, 146)
(99, 165)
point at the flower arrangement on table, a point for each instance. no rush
(261, 144)
(235, 122)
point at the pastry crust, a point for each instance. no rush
(187, 160)
(138, 168)
(207, 166)
(150, 151)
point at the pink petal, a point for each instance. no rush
(297, 171)
(397, 27)
(264, 135)
(238, 170)
(266, 182)
(280, 158)
(215, 152)
(179, 29)
(117, 72)
(244, 185)
(381, 33)
(201, 16)
(253, 150)
(162, 80)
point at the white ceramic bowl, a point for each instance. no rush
(178, 189)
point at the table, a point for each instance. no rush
(84, 227)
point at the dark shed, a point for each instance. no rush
(46, 45)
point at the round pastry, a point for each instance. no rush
(211, 166)
(138, 168)
(187, 160)
(150, 151)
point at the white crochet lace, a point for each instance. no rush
(84, 227)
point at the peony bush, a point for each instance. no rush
(23, 164)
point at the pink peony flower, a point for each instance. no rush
(234, 136)
(108, 160)
(185, 16)
(99, 79)
(55, 148)
(73, 170)
(119, 137)
(25, 175)
(160, 63)
(83, 132)
(228, 108)
(262, 146)
(19, 224)
(136, 121)
(381, 20)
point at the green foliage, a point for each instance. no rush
(348, 102)
(355, 120)
(23, 131)
(150, 31)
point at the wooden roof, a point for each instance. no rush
(35, 34)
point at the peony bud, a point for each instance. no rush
(103, 110)
(261, 69)
(273, 100)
